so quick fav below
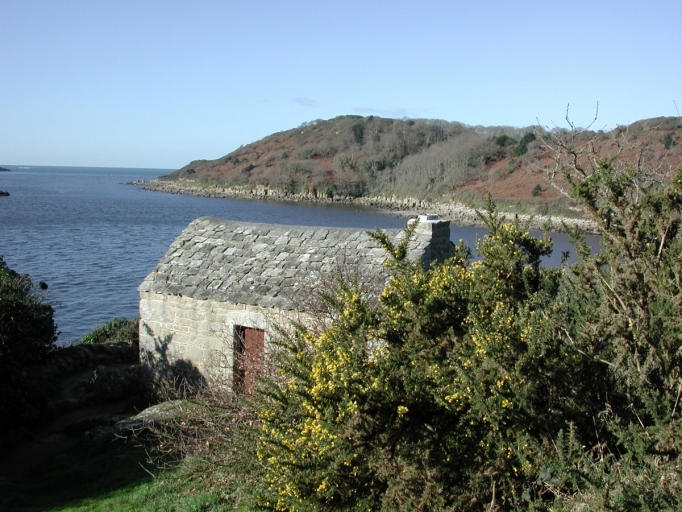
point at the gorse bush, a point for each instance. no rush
(495, 383)
(624, 311)
(442, 396)
(118, 329)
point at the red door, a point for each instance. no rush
(248, 357)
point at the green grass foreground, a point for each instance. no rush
(110, 476)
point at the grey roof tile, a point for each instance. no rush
(261, 264)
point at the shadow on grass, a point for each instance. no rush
(67, 471)
(109, 476)
(80, 470)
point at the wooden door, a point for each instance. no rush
(249, 344)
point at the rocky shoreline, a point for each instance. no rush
(456, 213)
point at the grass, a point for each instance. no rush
(118, 329)
(109, 476)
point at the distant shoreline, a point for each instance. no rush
(457, 213)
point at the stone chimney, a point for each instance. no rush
(433, 235)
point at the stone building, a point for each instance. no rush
(209, 306)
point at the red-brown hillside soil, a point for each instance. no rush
(507, 183)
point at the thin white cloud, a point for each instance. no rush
(306, 102)
(390, 112)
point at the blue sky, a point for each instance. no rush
(160, 83)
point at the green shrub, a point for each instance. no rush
(504, 140)
(669, 140)
(537, 190)
(464, 389)
(118, 329)
(27, 329)
(520, 150)
(522, 147)
(528, 138)
(358, 130)
(27, 335)
(513, 165)
(624, 310)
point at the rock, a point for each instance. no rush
(163, 411)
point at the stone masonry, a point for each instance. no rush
(220, 274)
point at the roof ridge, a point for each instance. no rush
(219, 221)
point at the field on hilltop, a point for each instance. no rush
(355, 156)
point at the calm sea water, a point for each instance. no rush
(93, 239)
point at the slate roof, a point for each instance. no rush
(261, 264)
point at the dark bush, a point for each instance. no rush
(520, 150)
(504, 140)
(527, 138)
(669, 140)
(358, 132)
(27, 335)
(27, 329)
(522, 146)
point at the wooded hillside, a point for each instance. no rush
(421, 158)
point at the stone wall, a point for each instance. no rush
(220, 274)
(192, 337)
